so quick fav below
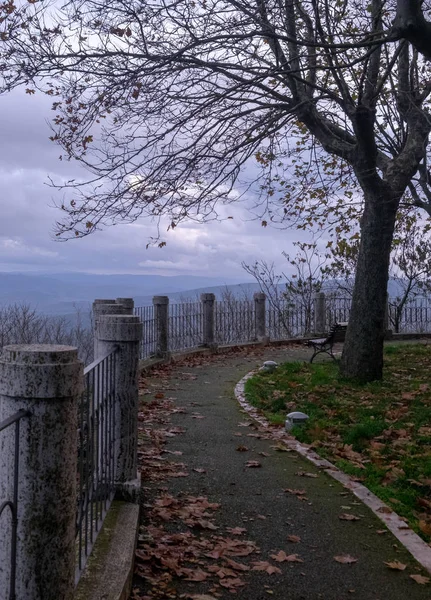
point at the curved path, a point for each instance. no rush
(254, 498)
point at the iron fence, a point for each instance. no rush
(337, 309)
(149, 339)
(234, 321)
(289, 320)
(96, 454)
(13, 420)
(185, 325)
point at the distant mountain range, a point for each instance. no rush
(61, 294)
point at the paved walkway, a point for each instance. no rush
(253, 498)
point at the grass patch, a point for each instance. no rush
(378, 432)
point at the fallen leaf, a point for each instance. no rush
(197, 575)
(253, 464)
(159, 395)
(345, 559)
(295, 492)
(241, 449)
(281, 448)
(236, 530)
(236, 565)
(420, 579)
(306, 474)
(425, 527)
(263, 565)
(348, 517)
(293, 538)
(396, 565)
(385, 510)
(264, 454)
(200, 470)
(281, 556)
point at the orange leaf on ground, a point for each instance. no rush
(293, 538)
(263, 565)
(295, 492)
(425, 527)
(345, 559)
(236, 530)
(396, 565)
(281, 556)
(420, 579)
(348, 517)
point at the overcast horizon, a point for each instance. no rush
(28, 158)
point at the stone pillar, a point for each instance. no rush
(161, 316)
(105, 307)
(124, 332)
(128, 303)
(319, 313)
(47, 381)
(260, 316)
(208, 306)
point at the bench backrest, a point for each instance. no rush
(331, 335)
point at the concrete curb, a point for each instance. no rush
(109, 570)
(406, 536)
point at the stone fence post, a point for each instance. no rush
(208, 306)
(161, 316)
(120, 306)
(124, 333)
(319, 302)
(260, 316)
(47, 381)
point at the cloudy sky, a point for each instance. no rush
(28, 157)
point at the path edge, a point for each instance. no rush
(417, 547)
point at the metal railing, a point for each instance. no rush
(288, 320)
(13, 420)
(149, 339)
(185, 325)
(234, 321)
(96, 454)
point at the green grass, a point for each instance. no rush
(379, 432)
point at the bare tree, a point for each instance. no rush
(166, 103)
(22, 324)
(290, 294)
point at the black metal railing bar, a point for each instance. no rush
(14, 419)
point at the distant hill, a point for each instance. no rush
(63, 293)
(59, 294)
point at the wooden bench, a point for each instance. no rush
(325, 344)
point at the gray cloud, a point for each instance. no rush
(28, 157)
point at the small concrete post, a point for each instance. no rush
(47, 381)
(161, 316)
(124, 332)
(105, 307)
(260, 316)
(208, 306)
(319, 312)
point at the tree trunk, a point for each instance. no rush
(362, 357)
